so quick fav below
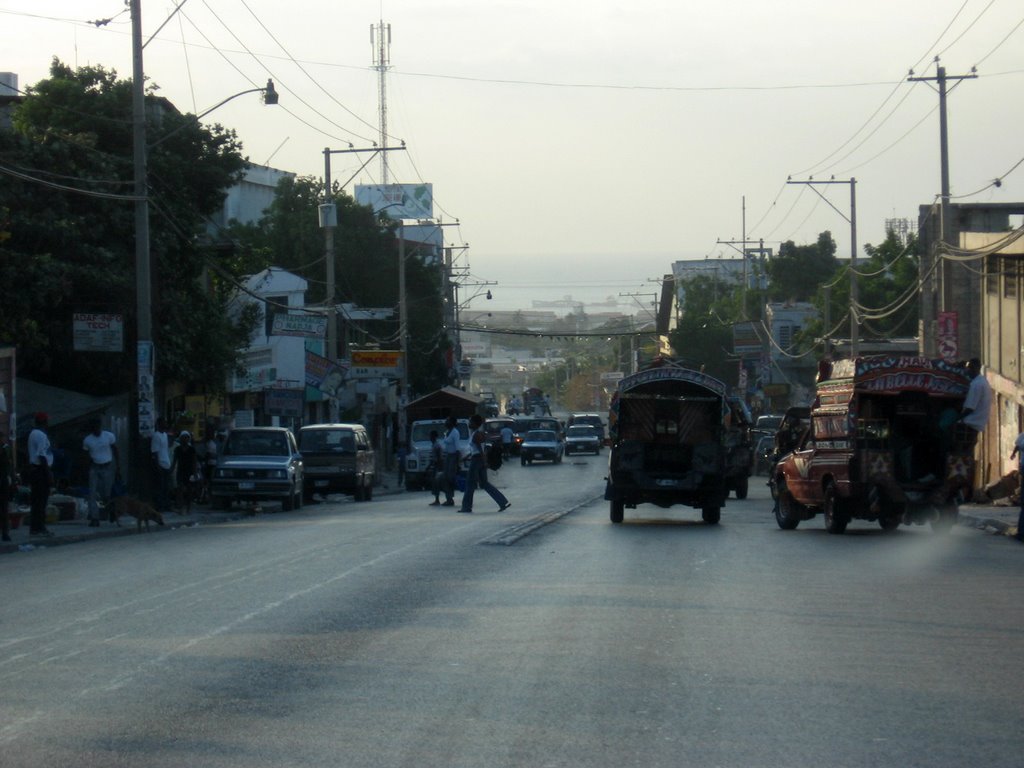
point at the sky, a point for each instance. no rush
(583, 146)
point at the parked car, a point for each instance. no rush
(541, 445)
(338, 458)
(258, 463)
(583, 438)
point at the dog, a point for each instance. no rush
(140, 510)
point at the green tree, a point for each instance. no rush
(366, 271)
(798, 270)
(703, 336)
(71, 232)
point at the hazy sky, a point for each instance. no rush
(584, 146)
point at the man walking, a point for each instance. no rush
(477, 474)
(101, 446)
(40, 461)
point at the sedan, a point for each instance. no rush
(583, 439)
(540, 445)
(258, 463)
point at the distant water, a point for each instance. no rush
(604, 282)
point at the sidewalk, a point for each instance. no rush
(73, 531)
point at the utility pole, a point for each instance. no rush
(945, 214)
(852, 219)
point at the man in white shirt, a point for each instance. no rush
(978, 401)
(101, 446)
(40, 460)
(160, 450)
(450, 446)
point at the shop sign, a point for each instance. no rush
(93, 332)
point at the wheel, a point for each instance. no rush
(890, 523)
(785, 508)
(741, 487)
(711, 514)
(835, 516)
(617, 510)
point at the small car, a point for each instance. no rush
(583, 438)
(541, 445)
(338, 458)
(258, 463)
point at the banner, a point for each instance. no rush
(322, 374)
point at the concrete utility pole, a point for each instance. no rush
(946, 225)
(852, 218)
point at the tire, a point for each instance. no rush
(890, 523)
(835, 516)
(785, 509)
(711, 514)
(742, 487)
(617, 509)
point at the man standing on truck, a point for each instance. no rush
(978, 401)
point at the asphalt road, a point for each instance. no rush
(391, 633)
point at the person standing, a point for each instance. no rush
(7, 482)
(40, 463)
(978, 402)
(1018, 452)
(184, 470)
(476, 477)
(159, 449)
(101, 446)
(506, 441)
(436, 468)
(450, 445)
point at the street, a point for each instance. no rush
(391, 633)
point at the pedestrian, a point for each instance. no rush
(452, 456)
(7, 484)
(40, 464)
(159, 449)
(101, 446)
(476, 476)
(401, 452)
(213, 446)
(506, 441)
(978, 402)
(184, 469)
(436, 467)
(1018, 452)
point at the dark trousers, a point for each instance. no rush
(451, 468)
(477, 478)
(161, 488)
(39, 485)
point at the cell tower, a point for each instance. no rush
(380, 42)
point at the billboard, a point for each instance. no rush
(398, 201)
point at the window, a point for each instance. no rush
(992, 274)
(1009, 277)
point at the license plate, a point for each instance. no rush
(246, 485)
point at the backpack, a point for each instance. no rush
(494, 457)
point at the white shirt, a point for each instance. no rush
(39, 448)
(158, 445)
(100, 447)
(979, 400)
(451, 441)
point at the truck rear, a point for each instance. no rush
(667, 442)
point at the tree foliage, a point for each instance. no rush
(366, 249)
(703, 338)
(798, 271)
(69, 225)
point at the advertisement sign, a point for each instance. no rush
(745, 341)
(306, 326)
(93, 332)
(398, 201)
(947, 335)
(324, 375)
(283, 402)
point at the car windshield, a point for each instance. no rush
(327, 441)
(582, 432)
(256, 444)
(540, 436)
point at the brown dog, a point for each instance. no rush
(140, 510)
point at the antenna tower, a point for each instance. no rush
(380, 41)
